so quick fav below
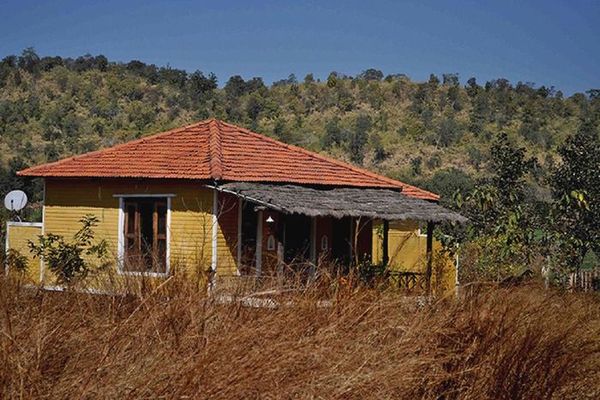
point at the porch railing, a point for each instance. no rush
(409, 281)
(585, 280)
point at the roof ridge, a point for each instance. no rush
(321, 157)
(117, 146)
(215, 149)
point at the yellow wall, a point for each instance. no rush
(407, 250)
(226, 256)
(191, 215)
(18, 238)
(227, 235)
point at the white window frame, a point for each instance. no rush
(121, 236)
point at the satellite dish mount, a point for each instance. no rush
(15, 201)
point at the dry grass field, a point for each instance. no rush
(176, 343)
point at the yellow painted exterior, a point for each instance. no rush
(226, 247)
(407, 250)
(191, 221)
(226, 259)
(18, 237)
(191, 227)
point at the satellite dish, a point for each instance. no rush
(15, 200)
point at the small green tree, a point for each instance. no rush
(380, 153)
(359, 138)
(501, 226)
(416, 164)
(371, 74)
(334, 136)
(254, 106)
(332, 80)
(201, 87)
(15, 260)
(29, 60)
(72, 261)
(575, 222)
(446, 182)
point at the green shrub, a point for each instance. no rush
(70, 260)
(16, 261)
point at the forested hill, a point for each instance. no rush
(436, 133)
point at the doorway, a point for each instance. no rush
(248, 239)
(297, 239)
(341, 245)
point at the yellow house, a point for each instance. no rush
(219, 198)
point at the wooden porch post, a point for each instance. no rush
(313, 246)
(239, 235)
(259, 242)
(429, 270)
(385, 250)
(281, 228)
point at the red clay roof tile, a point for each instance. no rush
(217, 150)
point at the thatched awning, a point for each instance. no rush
(341, 202)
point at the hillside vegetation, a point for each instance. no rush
(428, 133)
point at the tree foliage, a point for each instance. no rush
(73, 260)
(500, 234)
(16, 261)
(576, 191)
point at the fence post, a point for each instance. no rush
(429, 269)
(583, 280)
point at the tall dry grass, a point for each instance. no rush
(175, 342)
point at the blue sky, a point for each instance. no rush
(546, 42)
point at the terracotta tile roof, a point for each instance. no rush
(215, 150)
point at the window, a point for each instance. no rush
(145, 234)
